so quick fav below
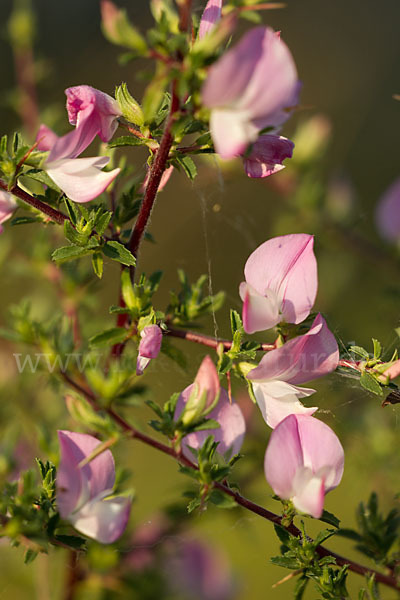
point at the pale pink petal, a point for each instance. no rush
(231, 132)
(81, 179)
(301, 359)
(267, 155)
(286, 266)
(104, 109)
(278, 399)
(99, 472)
(284, 456)
(69, 476)
(388, 213)
(207, 381)
(321, 449)
(309, 493)
(103, 520)
(76, 141)
(7, 206)
(210, 16)
(392, 372)
(259, 312)
(232, 428)
(46, 138)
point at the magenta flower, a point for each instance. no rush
(251, 87)
(82, 491)
(81, 179)
(275, 380)
(230, 433)
(149, 347)
(88, 105)
(204, 393)
(267, 155)
(281, 282)
(210, 16)
(7, 207)
(388, 213)
(303, 462)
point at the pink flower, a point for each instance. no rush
(85, 104)
(210, 16)
(7, 207)
(267, 155)
(81, 179)
(301, 359)
(388, 213)
(281, 282)
(251, 87)
(230, 433)
(82, 490)
(204, 393)
(149, 347)
(303, 462)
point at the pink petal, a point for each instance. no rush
(259, 312)
(388, 213)
(99, 472)
(103, 520)
(231, 132)
(232, 428)
(210, 16)
(46, 138)
(301, 359)
(322, 450)
(309, 493)
(286, 266)
(392, 372)
(149, 347)
(267, 155)
(284, 456)
(76, 141)
(104, 109)
(81, 179)
(7, 206)
(278, 399)
(207, 381)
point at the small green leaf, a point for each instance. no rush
(70, 253)
(102, 221)
(30, 556)
(377, 348)
(108, 337)
(42, 177)
(71, 540)
(359, 351)
(370, 383)
(222, 500)
(130, 108)
(97, 263)
(74, 236)
(329, 518)
(189, 167)
(126, 140)
(118, 252)
(25, 220)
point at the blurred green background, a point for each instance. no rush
(348, 57)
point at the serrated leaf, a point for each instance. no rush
(42, 177)
(330, 518)
(74, 236)
(73, 541)
(102, 221)
(369, 383)
(118, 252)
(127, 140)
(377, 348)
(25, 220)
(282, 534)
(188, 165)
(30, 556)
(359, 351)
(70, 253)
(108, 337)
(284, 561)
(323, 535)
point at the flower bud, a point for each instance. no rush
(205, 393)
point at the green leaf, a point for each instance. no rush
(154, 93)
(370, 383)
(108, 337)
(30, 556)
(42, 177)
(74, 236)
(377, 348)
(284, 561)
(129, 107)
(126, 140)
(102, 221)
(322, 536)
(359, 351)
(118, 30)
(70, 253)
(300, 587)
(97, 263)
(118, 252)
(329, 518)
(71, 540)
(25, 220)
(189, 167)
(222, 500)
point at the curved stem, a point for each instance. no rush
(208, 340)
(238, 498)
(52, 213)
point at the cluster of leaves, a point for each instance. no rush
(32, 519)
(17, 159)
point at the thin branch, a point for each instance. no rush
(207, 340)
(49, 211)
(238, 498)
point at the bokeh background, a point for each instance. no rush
(348, 57)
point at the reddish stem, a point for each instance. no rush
(52, 213)
(207, 340)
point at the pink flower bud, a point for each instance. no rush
(303, 462)
(210, 16)
(252, 86)
(281, 282)
(267, 155)
(7, 207)
(82, 490)
(149, 347)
